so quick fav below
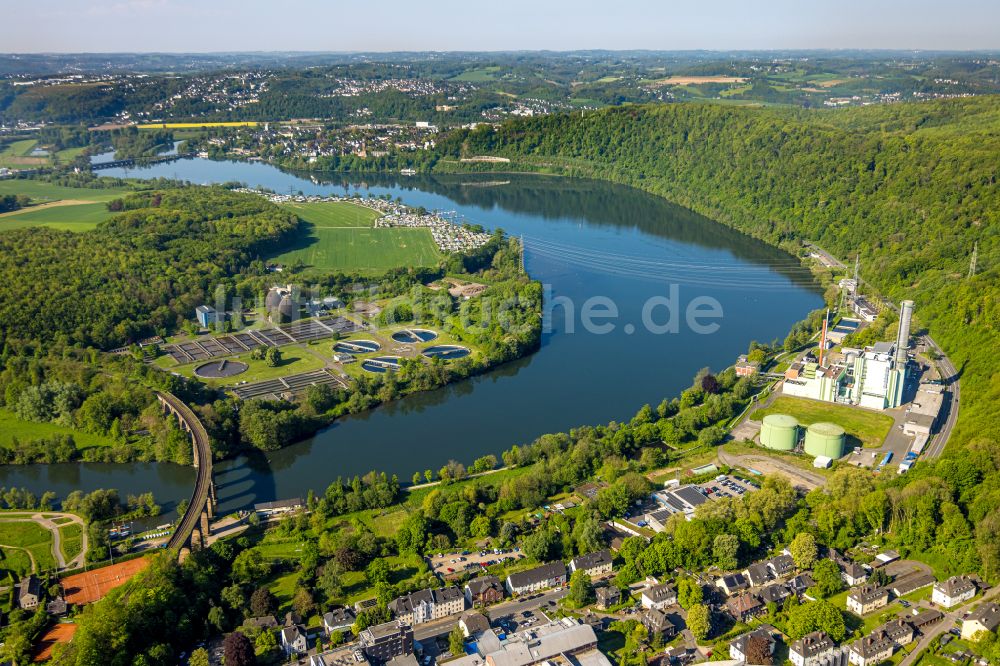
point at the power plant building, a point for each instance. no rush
(873, 378)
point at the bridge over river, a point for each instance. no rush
(193, 530)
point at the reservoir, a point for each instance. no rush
(597, 248)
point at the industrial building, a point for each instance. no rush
(779, 432)
(825, 439)
(873, 378)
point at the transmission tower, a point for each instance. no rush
(972, 264)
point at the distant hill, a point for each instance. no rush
(911, 187)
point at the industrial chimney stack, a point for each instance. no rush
(903, 339)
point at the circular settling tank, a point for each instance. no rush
(446, 352)
(780, 432)
(825, 439)
(220, 369)
(356, 346)
(414, 335)
(381, 364)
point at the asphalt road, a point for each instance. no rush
(445, 624)
(950, 374)
(944, 625)
(940, 439)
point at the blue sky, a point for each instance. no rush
(447, 25)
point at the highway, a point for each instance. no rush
(200, 495)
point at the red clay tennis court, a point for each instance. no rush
(91, 586)
(61, 633)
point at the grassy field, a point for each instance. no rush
(247, 123)
(294, 360)
(868, 427)
(334, 214)
(362, 250)
(31, 537)
(14, 560)
(81, 217)
(70, 540)
(17, 154)
(40, 191)
(12, 427)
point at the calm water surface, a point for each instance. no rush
(583, 239)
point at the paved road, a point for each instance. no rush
(936, 447)
(445, 624)
(949, 374)
(200, 495)
(944, 625)
(45, 520)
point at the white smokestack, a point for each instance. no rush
(903, 338)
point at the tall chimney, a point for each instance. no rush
(822, 338)
(903, 338)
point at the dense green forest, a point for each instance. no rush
(910, 187)
(141, 273)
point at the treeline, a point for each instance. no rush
(910, 187)
(133, 143)
(140, 273)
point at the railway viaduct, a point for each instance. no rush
(193, 530)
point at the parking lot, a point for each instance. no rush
(445, 564)
(727, 486)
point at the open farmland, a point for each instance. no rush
(70, 215)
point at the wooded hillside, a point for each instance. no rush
(911, 187)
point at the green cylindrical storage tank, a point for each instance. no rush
(825, 439)
(779, 431)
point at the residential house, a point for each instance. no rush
(899, 630)
(871, 649)
(776, 593)
(597, 563)
(741, 645)
(985, 618)
(473, 624)
(658, 622)
(744, 607)
(911, 583)
(426, 605)
(658, 596)
(757, 574)
(732, 583)
(867, 599)
(799, 584)
(608, 596)
(483, 591)
(812, 649)
(263, 622)
(548, 575)
(382, 642)
(853, 573)
(781, 565)
(29, 592)
(293, 640)
(953, 591)
(338, 619)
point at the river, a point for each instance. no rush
(583, 239)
